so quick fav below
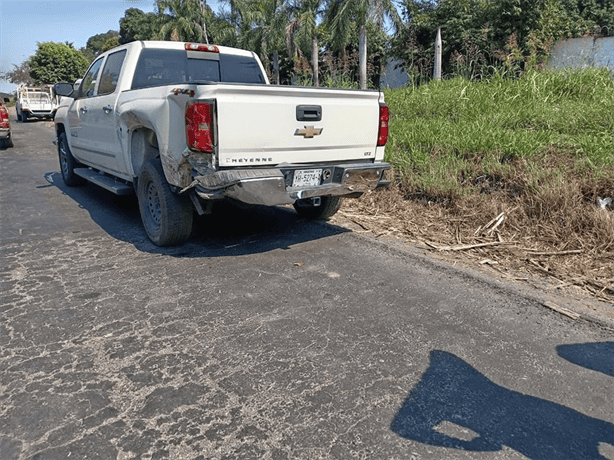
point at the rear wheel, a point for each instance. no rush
(329, 205)
(68, 163)
(167, 217)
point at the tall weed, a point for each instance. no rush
(446, 132)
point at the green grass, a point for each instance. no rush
(548, 125)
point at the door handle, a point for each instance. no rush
(83, 109)
(107, 109)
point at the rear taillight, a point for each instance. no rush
(199, 47)
(384, 117)
(199, 126)
(4, 115)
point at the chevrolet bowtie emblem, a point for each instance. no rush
(308, 132)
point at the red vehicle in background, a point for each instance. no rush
(6, 139)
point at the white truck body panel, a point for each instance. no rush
(267, 120)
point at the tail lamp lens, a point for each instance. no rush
(384, 117)
(199, 126)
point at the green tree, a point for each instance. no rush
(137, 25)
(54, 62)
(95, 44)
(260, 27)
(110, 43)
(599, 13)
(20, 75)
(481, 35)
(345, 16)
(183, 20)
(301, 34)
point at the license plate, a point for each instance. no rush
(305, 177)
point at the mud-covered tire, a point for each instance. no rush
(68, 163)
(167, 217)
(329, 205)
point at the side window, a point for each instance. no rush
(110, 73)
(89, 81)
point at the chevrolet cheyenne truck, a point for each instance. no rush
(184, 125)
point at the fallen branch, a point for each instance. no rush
(360, 225)
(561, 310)
(471, 246)
(501, 219)
(490, 223)
(559, 253)
(488, 261)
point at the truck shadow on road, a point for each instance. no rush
(455, 406)
(228, 231)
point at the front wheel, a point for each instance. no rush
(329, 205)
(167, 217)
(68, 163)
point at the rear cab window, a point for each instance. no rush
(161, 67)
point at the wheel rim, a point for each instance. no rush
(153, 203)
(63, 159)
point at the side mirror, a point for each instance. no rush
(6, 100)
(63, 89)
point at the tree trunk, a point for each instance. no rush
(276, 67)
(315, 51)
(362, 56)
(202, 4)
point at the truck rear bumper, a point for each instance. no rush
(39, 114)
(274, 186)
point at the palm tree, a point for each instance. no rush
(343, 16)
(302, 33)
(260, 26)
(183, 20)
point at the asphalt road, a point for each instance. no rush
(269, 337)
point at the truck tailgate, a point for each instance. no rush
(260, 125)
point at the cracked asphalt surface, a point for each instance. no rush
(269, 337)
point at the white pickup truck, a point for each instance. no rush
(35, 103)
(186, 124)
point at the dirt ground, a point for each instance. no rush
(488, 237)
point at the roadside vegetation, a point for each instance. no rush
(524, 166)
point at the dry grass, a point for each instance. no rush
(561, 234)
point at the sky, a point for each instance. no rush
(24, 23)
